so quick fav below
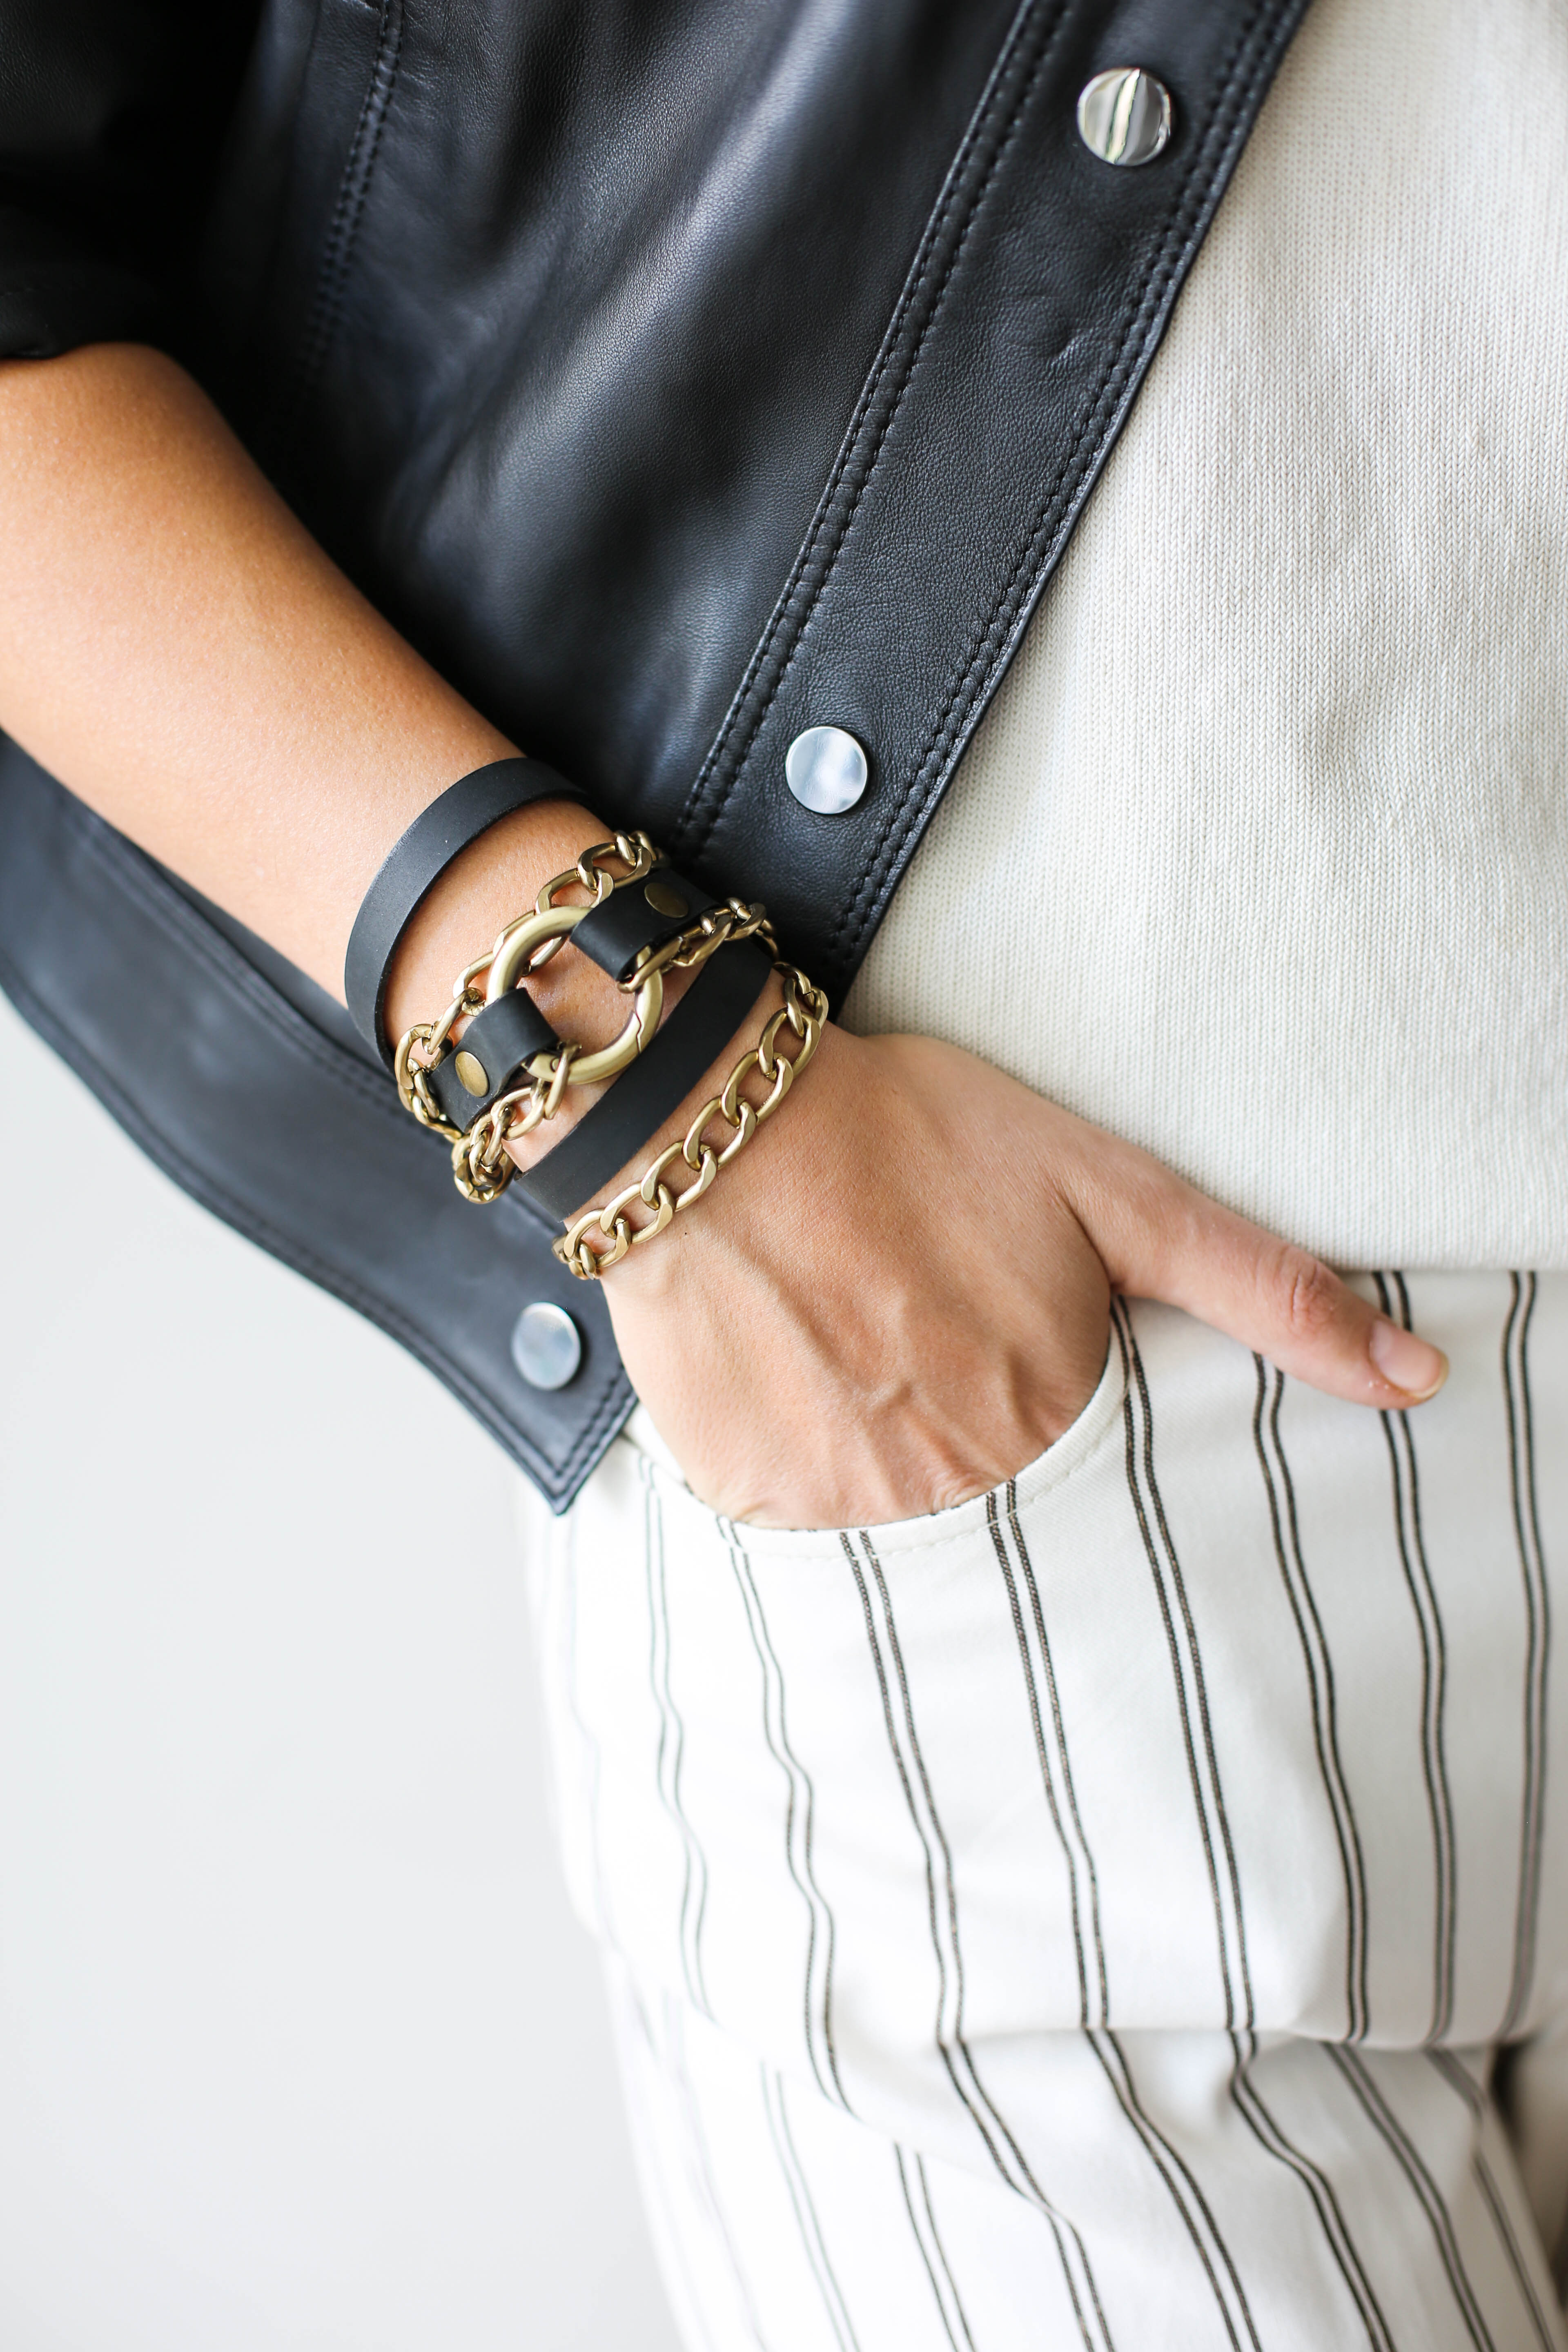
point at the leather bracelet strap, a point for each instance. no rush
(497, 1047)
(615, 933)
(416, 862)
(622, 1121)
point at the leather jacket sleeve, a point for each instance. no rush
(111, 116)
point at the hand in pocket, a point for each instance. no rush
(899, 1293)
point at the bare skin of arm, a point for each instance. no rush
(899, 1295)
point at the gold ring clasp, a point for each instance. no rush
(514, 953)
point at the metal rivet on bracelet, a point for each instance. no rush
(472, 1075)
(827, 770)
(1124, 115)
(664, 900)
(546, 1344)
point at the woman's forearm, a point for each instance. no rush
(180, 653)
(176, 648)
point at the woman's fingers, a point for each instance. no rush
(1162, 1239)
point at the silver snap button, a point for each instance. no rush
(1124, 115)
(827, 770)
(546, 1346)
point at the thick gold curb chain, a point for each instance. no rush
(804, 1012)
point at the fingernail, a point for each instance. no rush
(1405, 1361)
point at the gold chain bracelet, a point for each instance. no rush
(804, 1012)
(481, 1167)
(635, 853)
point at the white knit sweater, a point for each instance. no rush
(1262, 855)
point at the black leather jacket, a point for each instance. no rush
(676, 374)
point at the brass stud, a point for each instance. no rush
(664, 900)
(471, 1073)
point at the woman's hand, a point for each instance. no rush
(899, 1293)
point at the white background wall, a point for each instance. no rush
(299, 2044)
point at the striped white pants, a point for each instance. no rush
(1094, 1917)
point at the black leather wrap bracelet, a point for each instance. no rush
(625, 1119)
(639, 915)
(416, 862)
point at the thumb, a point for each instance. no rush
(1161, 1238)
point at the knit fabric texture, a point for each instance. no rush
(1260, 857)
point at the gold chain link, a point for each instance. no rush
(803, 1011)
